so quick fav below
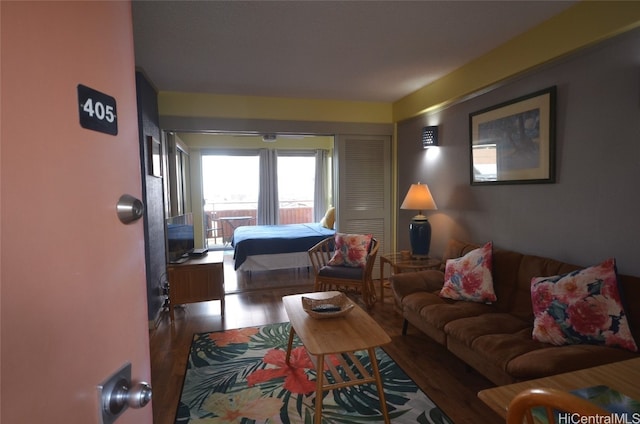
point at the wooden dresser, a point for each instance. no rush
(196, 280)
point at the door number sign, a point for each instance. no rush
(97, 110)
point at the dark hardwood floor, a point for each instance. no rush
(444, 378)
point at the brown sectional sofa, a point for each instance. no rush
(496, 339)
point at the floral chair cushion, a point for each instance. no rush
(351, 250)
(469, 277)
(582, 306)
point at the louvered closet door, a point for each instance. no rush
(364, 187)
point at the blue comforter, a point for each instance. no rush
(271, 239)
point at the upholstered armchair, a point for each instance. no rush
(331, 276)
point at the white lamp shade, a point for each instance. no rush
(419, 198)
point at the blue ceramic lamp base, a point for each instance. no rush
(420, 237)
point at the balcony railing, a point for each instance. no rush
(221, 222)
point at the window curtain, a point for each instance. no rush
(321, 183)
(268, 194)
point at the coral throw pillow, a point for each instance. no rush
(351, 250)
(581, 307)
(469, 277)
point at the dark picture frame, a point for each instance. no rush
(514, 142)
(155, 156)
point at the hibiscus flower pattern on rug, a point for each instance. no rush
(241, 376)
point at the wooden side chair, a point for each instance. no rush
(550, 401)
(332, 277)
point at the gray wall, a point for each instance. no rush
(591, 213)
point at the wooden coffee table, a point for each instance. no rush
(341, 337)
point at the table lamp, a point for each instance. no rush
(419, 198)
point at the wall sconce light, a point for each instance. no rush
(429, 136)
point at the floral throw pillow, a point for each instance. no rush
(469, 277)
(351, 250)
(581, 307)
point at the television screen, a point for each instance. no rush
(180, 237)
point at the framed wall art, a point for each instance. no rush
(514, 142)
(155, 156)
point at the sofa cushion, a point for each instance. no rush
(581, 307)
(629, 287)
(455, 249)
(466, 330)
(437, 311)
(501, 348)
(351, 250)
(405, 283)
(345, 272)
(550, 360)
(515, 271)
(469, 277)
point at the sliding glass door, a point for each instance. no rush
(230, 186)
(235, 186)
(296, 179)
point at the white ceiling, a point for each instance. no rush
(342, 50)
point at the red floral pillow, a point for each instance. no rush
(469, 277)
(581, 307)
(351, 250)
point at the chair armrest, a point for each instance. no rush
(411, 282)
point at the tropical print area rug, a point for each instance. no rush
(240, 376)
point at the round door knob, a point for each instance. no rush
(139, 395)
(129, 209)
(118, 397)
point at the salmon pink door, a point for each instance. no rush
(72, 287)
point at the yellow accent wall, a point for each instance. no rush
(582, 25)
(226, 141)
(275, 108)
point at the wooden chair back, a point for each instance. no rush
(550, 402)
(320, 254)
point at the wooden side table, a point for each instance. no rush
(197, 280)
(398, 264)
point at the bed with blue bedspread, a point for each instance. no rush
(267, 247)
